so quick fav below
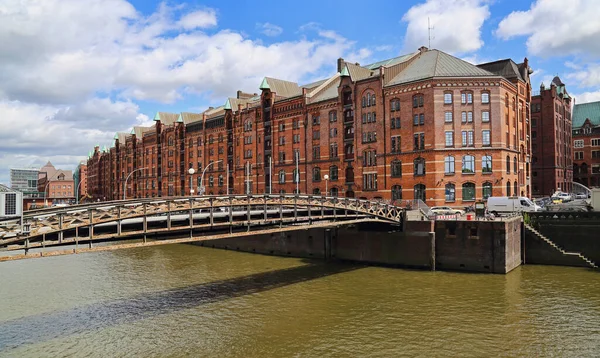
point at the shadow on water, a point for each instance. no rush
(33, 329)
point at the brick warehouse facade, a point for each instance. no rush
(552, 158)
(423, 126)
(586, 144)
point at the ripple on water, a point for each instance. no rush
(183, 300)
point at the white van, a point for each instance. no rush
(510, 204)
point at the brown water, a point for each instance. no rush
(184, 300)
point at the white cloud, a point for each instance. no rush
(457, 25)
(585, 75)
(74, 71)
(270, 29)
(199, 19)
(555, 27)
(587, 97)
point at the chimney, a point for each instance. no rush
(340, 64)
(239, 94)
(423, 49)
(304, 92)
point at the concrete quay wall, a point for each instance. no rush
(475, 246)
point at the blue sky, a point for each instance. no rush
(74, 72)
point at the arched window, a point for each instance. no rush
(486, 190)
(282, 177)
(210, 139)
(373, 100)
(316, 174)
(369, 158)
(516, 188)
(333, 172)
(508, 187)
(396, 192)
(316, 191)
(515, 165)
(468, 164)
(295, 176)
(447, 97)
(449, 165)
(507, 164)
(419, 166)
(450, 192)
(486, 164)
(220, 180)
(220, 138)
(199, 141)
(333, 116)
(420, 192)
(211, 181)
(468, 191)
(395, 105)
(364, 101)
(396, 168)
(333, 192)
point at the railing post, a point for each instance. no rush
(119, 220)
(169, 215)
(60, 227)
(248, 216)
(145, 221)
(322, 207)
(192, 217)
(295, 208)
(230, 214)
(265, 214)
(280, 211)
(91, 228)
(346, 207)
(309, 206)
(212, 209)
(334, 209)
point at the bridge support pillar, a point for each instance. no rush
(327, 244)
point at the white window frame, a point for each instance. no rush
(449, 136)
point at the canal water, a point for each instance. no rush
(183, 300)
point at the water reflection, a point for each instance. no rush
(33, 329)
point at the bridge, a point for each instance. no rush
(157, 221)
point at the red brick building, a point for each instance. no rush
(586, 144)
(57, 184)
(423, 126)
(552, 158)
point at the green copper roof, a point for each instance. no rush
(584, 111)
(116, 136)
(345, 72)
(180, 119)
(264, 84)
(228, 103)
(104, 149)
(132, 131)
(157, 117)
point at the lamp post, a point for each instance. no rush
(204, 171)
(77, 192)
(125, 184)
(191, 171)
(326, 177)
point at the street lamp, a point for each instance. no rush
(191, 171)
(202, 176)
(125, 184)
(326, 177)
(77, 192)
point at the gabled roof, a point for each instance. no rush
(435, 63)
(215, 112)
(5, 189)
(584, 111)
(121, 137)
(232, 103)
(391, 61)
(314, 84)
(358, 73)
(281, 88)
(166, 118)
(506, 68)
(188, 118)
(326, 90)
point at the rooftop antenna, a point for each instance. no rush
(429, 28)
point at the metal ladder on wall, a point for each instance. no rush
(551, 243)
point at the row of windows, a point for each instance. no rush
(368, 100)
(468, 164)
(466, 97)
(467, 138)
(468, 191)
(370, 117)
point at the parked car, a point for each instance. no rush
(581, 196)
(561, 195)
(510, 204)
(445, 210)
